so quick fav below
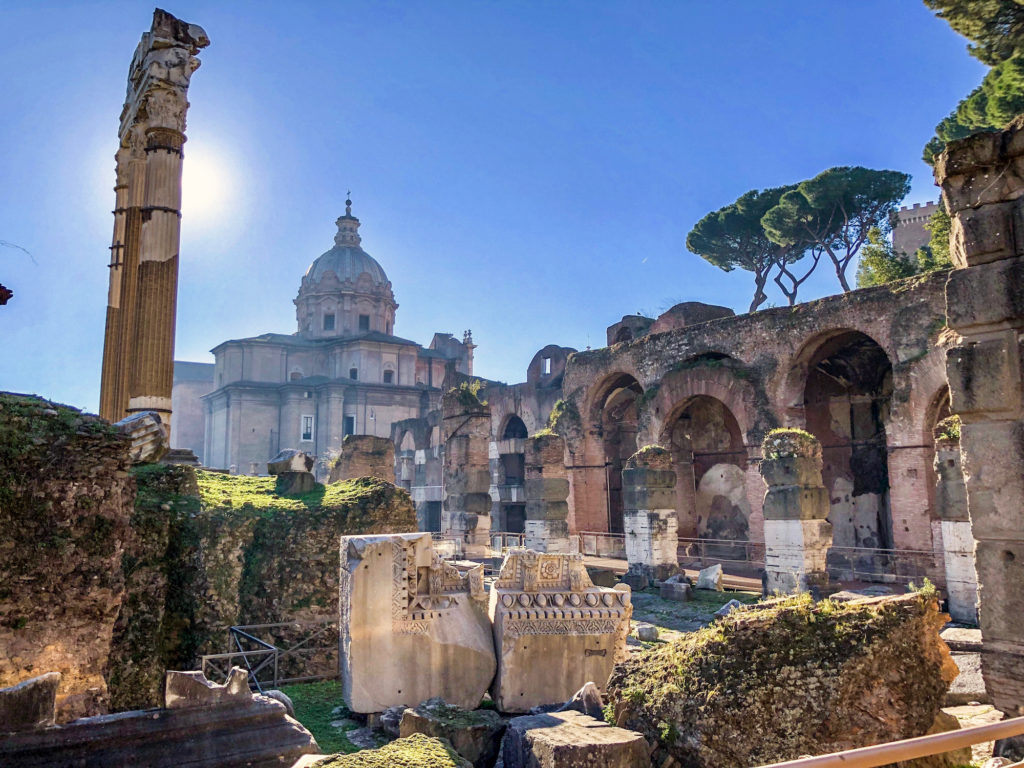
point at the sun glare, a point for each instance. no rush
(207, 187)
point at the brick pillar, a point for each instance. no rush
(797, 533)
(547, 488)
(467, 475)
(982, 180)
(957, 541)
(650, 519)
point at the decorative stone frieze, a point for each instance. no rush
(553, 629)
(412, 627)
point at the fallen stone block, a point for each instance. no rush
(290, 460)
(412, 627)
(192, 689)
(676, 588)
(29, 704)
(554, 630)
(294, 483)
(257, 733)
(475, 735)
(416, 751)
(569, 739)
(646, 632)
(284, 698)
(710, 578)
(586, 700)
(149, 441)
(728, 608)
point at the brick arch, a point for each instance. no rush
(678, 389)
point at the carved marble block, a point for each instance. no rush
(412, 627)
(553, 629)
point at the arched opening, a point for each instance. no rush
(710, 463)
(846, 406)
(618, 420)
(511, 489)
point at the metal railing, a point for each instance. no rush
(292, 658)
(909, 749)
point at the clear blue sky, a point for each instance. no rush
(525, 169)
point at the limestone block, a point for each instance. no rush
(570, 739)
(728, 608)
(548, 536)
(710, 578)
(796, 554)
(412, 627)
(587, 700)
(678, 592)
(192, 689)
(993, 456)
(30, 704)
(984, 376)
(547, 488)
(792, 470)
(793, 502)
(475, 735)
(961, 577)
(149, 440)
(294, 483)
(986, 295)
(553, 629)
(646, 632)
(290, 460)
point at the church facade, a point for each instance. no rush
(343, 372)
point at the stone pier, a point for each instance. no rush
(547, 488)
(650, 519)
(957, 541)
(797, 533)
(138, 349)
(982, 180)
(467, 477)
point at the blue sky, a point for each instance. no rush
(528, 170)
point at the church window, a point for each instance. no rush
(353, 373)
(307, 428)
(389, 377)
(364, 322)
(350, 425)
(329, 322)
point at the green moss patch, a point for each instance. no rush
(317, 705)
(416, 751)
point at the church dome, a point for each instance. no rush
(347, 260)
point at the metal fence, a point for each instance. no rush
(279, 653)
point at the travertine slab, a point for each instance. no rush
(553, 629)
(411, 626)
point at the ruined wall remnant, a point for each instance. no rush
(210, 550)
(951, 507)
(651, 520)
(467, 478)
(797, 533)
(547, 488)
(412, 627)
(365, 456)
(553, 629)
(65, 503)
(868, 672)
(982, 180)
(138, 346)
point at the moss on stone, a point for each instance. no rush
(948, 430)
(789, 443)
(416, 751)
(786, 678)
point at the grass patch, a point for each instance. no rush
(317, 705)
(218, 490)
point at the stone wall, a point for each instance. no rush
(65, 504)
(365, 456)
(211, 550)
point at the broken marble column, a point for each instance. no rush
(412, 626)
(797, 534)
(148, 437)
(982, 181)
(294, 472)
(553, 629)
(547, 488)
(650, 520)
(957, 540)
(138, 349)
(467, 477)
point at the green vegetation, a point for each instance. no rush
(948, 429)
(995, 29)
(416, 751)
(564, 416)
(788, 443)
(218, 490)
(317, 705)
(467, 394)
